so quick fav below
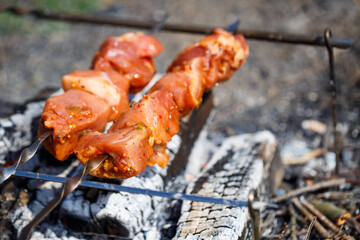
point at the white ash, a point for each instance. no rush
(200, 154)
(326, 163)
(16, 131)
(294, 148)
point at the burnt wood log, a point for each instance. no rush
(241, 164)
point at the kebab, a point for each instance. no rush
(94, 97)
(139, 137)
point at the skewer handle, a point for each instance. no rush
(25, 156)
(70, 185)
(159, 25)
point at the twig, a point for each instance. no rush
(330, 210)
(321, 216)
(281, 235)
(293, 222)
(317, 224)
(304, 158)
(334, 195)
(315, 187)
(353, 223)
(310, 228)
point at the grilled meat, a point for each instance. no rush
(122, 63)
(113, 88)
(130, 55)
(139, 137)
(70, 115)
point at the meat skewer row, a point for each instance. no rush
(139, 137)
(99, 95)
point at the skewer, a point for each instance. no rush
(29, 152)
(25, 156)
(70, 185)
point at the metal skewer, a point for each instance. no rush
(25, 156)
(70, 185)
(30, 151)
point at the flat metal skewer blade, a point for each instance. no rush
(70, 185)
(159, 25)
(25, 156)
(233, 27)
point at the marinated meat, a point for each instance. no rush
(185, 86)
(130, 55)
(128, 150)
(140, 135)
(156, 111)
(221, 55)
(102, 85)
(122, 62)
(70, 116)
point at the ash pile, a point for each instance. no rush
(226, 168)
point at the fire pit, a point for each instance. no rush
(141, 216)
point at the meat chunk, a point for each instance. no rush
(138, 138)
(128, 150)
(156, 111)
(197, 69)
(221, 53)
(146, 45)
(130, 55)
(102, 85)
(185, 86)
(70, 115)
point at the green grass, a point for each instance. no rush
(11, 22)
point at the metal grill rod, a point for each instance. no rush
(194, 29)
(119, 188)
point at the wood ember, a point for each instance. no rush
(234, 170)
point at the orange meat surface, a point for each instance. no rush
(130, 55)
(97, 96)
(128, 151)
(156, 117)
(71, 115)
(110, 87)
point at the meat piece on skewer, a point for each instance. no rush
(221, 54)
(121, 63)
(152, 122)
(155, 117)
(71, 115)
(112, 87)
(131, 56)
(185, 86)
